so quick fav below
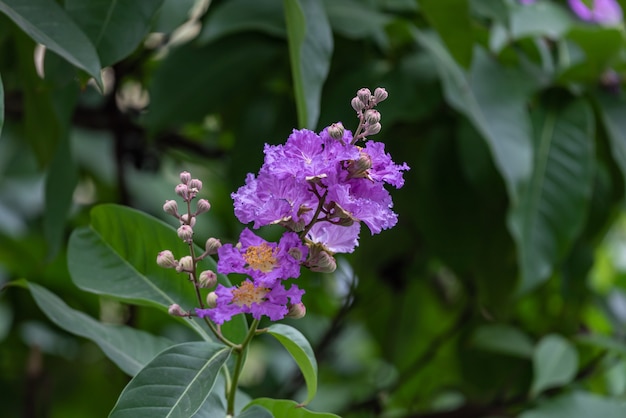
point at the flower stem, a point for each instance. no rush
(240, 353)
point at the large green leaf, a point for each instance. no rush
(356, 19)
(578, 405)
(301, 351)
(128, 348)
(553, 206)
(612, 111)
(281, 408)
(256, 411)
(1, 105)
(502, 119)
(174, 384)
(115, 27)
(116, 256)
(455, 29)
(555, 362)
(541, 19)
(48, 24)
(310, 49)
(504, 339)
(244, 15)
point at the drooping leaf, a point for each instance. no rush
(114, 27)
(541, 19)
(256, 411)
(552, 208)
(555, 362)
(281, 408)
(1, 105)
(503, 339)
(355, 19)
(454, 28)
(500, 118)
(300, 349)
(130, 349)
(244, 15)
(310, 48)
(174, 384)
(116, 256)
(578, 405)
(48, 24)
(612, 113)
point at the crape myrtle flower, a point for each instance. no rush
(309, 168)
(266, 262)
(604, 12)
(252, 298)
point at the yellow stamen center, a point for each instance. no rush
(261, 257)
(246, 294)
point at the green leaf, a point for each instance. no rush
(455, 29)
(244, 15)
(1, 106)
(540, 19)
(355, 19)
(503, 339)
(109, 27)
(256, 411)
(174, 384)
(555, 362)
(578, 405)
(48, 24)
(310, 49)
(552, 208)
(281, 408)
(612, 110)
(128, 348)
(300, 349)
(116, 256)
(501, 119)
(61, 180)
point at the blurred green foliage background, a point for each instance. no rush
(500, 293)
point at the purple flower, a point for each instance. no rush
(604, 12)
(335, 238)
(252, 298)
(266, 262)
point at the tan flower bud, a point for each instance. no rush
(207, 279)
(166, 259)
(380, 94)
(202, 206)
(171, 207)
(176, 310)
(212, 245)
(185, 264)
(364, 95)
(211, 300)
(185, 220)
(185, 232)
(296, 311)
(185, 177)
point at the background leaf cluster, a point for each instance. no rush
(499, 293)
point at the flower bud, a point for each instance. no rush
(372, 116)
(320, 260)
(176, 310)
(373, 129)
(166, 259)
(296, 311)
(185, 264)
(202, 206)
(212, 245)
(357, 104)
(296, 253)
(171, 207)
(364, 95)
(380, 94)
(336, 131)
(195, 184)
(185, 177)
(211, 300)
(207, 279)
(185, 232)
(182, 190)
(185, 220)
(358, 168)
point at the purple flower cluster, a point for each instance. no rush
(320, 187)
(324, 185)
(268, 264)
(604, 12)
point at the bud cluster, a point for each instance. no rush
(369, 118)
(188, 190)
